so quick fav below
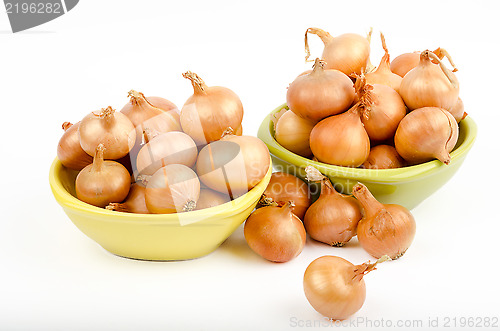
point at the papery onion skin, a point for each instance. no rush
(383, 157)
(210, 198)
(283, 188)
(425, 134)
(210, 111)
(429, 85)
(385, 229)
(341, 140)
(333, 217)
(404, 63)
(167, 148)
(112, 129)
(134, 203)
(320, 94)
(102, 182)
(458, 111)
(275, 233)
(382, 109)
(173, 188)
(292, 132)
(335, 287)
(69, 151)
(244, 159)
(348, 53)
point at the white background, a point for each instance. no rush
(52, 277)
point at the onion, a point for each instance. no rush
(320, 93)
(134, 203)
(383, 74)
(458, 111)
(407, 61)
(284, 188)
(210, 111)
(335, 287)
(69, 151)
(210, 198)
(234, 164)
(173, 188)
(348, 52)
(102, 182)
(383, 157)
(292, 132)
(382, 109)
(333, 217)
(275, 233)
(112, 129)
(167, 148)
(425, 134)
(429, 85)
(385, 229)
(341, 139)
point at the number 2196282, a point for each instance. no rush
(33, 8)
(471, 322)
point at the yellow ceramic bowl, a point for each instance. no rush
(153, 237)
(406, 186)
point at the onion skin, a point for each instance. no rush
(333, 218)
(429, 85)
(458, 111)
(245, 161)
(112, 129)
(173, 188)
(385, 229)
(69, 151)
(335, 287)
(292, 132)
(275, 233)
(102, 182)
(349, 148)
(348, 53)
(404, 63)
(383, 157)
(134, 203)
(382, 109)
(320, 94)
(383, 74)
(210, 111)
(425, 134)
(167, 148)
(284, 188)
(210, 198)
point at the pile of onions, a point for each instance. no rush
(348, 53)
(284, 188)
(319, 94)
(383, 157)
(335, 287)
(275, 233)
(210, 111)
(292, 132)
(174, 188)
(385, 229)
(102, 182)
(112, 129)
(167, 148)
(350, 145)
(383, 74)
(429, 84)
(382, 109)
(233, 165)
(425, 134)
(333, 217)
(69, 151)
(134, 203)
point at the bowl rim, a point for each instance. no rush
(228, 209)
(408, 173)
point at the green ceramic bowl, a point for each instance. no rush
(406, 186)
